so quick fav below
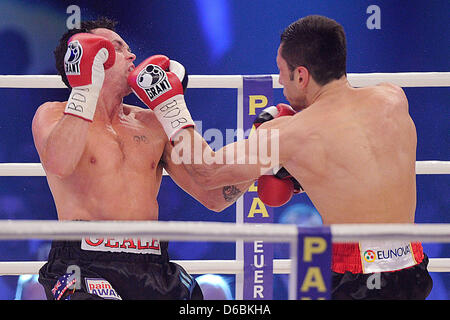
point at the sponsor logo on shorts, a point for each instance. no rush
(128, 245)
(369, 255)
(67, 281)
(385, 256)
(101, 288)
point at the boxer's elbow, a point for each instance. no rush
(58, 166)
(215, 202)
(222, 197)
(212, 196)
(214, 205)
(59, 170)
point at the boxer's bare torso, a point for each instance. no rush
(353, 150)
(354, 153)
(119, 173)
(111, 168)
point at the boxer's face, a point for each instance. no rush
(292, 89)
(117, 75)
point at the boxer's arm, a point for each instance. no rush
(215, 199)
(241, 161)
(60, 129)
(53, 132)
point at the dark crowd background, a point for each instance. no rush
(220, 37)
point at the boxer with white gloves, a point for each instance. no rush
(104, 160)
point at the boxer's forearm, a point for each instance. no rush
(189, 149)
(65, 145)
(234, 168)
(223, 197)
(228, 166)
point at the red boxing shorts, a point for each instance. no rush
(380, 270)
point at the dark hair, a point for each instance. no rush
(317, 43)
(85, 26)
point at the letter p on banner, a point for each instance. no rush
(314, 263)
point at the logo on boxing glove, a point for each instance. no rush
(154, 81)
(72, 58)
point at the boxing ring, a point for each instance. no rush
(238, 232)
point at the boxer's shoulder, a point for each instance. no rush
(389, 86)
(388, 97)
(52, 106)
(390, 92)
(44, 120)
(144, 115)
(49, 110)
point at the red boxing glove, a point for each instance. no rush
(273, 191)
(273, 112)
(277, 189)
(282, 173)
(87, 57)
(85, 53)
(158, 83)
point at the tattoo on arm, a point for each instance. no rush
(139, 139)
(230, 193)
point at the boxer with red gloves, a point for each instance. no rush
(354, 151)
(278, 188)
(85, 62)
(157, 81)
(104, 160)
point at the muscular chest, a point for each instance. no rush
(128, 145)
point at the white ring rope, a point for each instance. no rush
(212, 231)
(215, 231)
(221, 231)
(30, 170)
(36, 169)
(403, 79)
(280, 266)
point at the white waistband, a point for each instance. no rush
(385, 256)
(128, 245)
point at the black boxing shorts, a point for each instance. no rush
(389, 270)
(120, 269)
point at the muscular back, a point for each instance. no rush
(118, 175)
(356, 156)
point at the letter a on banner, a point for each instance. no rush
(258, 255)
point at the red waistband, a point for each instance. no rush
(347, 257)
